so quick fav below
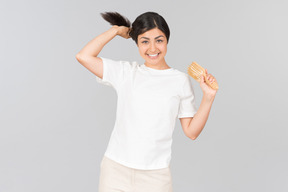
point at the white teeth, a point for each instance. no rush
(153, 55)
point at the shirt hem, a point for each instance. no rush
(134, 166)
(187, 115)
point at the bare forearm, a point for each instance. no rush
(94, 47)
(200, 118)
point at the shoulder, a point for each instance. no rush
(185, 81)
(121, 63)
(183, 77)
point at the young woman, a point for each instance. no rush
(151, 96)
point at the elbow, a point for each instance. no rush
(193, 137)
(78, 57)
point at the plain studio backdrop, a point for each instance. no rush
(56, 120)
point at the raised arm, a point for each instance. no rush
(88, 56)
(193, 126)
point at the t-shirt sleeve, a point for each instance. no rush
(114, 72)
(187, 107)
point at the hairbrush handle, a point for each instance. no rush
(213, 85)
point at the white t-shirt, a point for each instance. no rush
(148, 104)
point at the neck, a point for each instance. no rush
(159, 66)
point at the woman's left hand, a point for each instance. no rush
(207, 90)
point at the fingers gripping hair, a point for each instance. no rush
(114, 18)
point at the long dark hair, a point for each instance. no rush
(142, 23)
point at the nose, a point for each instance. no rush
(152, 47)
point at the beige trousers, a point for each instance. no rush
(115, 177)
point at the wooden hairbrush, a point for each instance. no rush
(195, 71)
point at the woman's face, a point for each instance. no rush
(153, 46)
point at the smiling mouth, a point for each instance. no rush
(153, 56)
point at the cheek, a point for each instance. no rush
(142, 50)
(163, 48)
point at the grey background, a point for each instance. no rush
(56, 120)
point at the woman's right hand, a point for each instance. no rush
(122, 31)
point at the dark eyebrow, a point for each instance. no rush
(159, 36)
(155, 37)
